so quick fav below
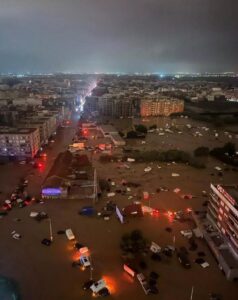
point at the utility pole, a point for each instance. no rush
(91, 268)
(51, 233)
(191, 296)
(95, 192)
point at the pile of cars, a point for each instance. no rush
(18, 198)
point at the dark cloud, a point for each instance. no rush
(118, 35)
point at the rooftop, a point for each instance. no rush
(108, 128)
(11, 130)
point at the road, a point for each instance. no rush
(11, 173)
(45, 273)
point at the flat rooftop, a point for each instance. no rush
(17, 130)
(108, 128)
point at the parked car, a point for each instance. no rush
(87, 284)
(187, 233)
(85, 262)
(97, 286)
(69, 234)
(46, 242)
(87, 211)
(78, 246)
(104, 292)
(15, 235)
(153, 289)
(214, 296)
(6, 206)
(183, 259)
(41, 216)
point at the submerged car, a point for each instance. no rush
(87, 284)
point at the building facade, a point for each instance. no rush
(160, 107)
(222, 214)
(19, 143)
(117, 106)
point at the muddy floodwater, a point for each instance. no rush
(45, 273)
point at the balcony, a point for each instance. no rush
(214, 207)
(214, 198)
(212, 213)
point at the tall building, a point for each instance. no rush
(163, 107)
(222, 213)
(91, 104)
(117, 106)
(19, 143)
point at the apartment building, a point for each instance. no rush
(46, 123)
(163, 107)
(222, 213)
(39, 124)
(118, 106)
(19, 143)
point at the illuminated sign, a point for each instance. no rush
(119, 214)
(51, 191)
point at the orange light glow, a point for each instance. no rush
(155, 213)
(76, 256)
(70, 247)
(170, 213)
(85, 132)
(128, 278)
(111, 284)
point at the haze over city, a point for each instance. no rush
(156, 36)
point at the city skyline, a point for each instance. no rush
(118, 36)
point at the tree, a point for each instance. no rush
(201, 151)
(131, 134)
(121, 134)
(154, 126)
(230, 148)
(133, 242)
(196, 163)
(141, 128)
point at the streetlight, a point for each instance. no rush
(51, 233)
(191, 296)
(91, 268)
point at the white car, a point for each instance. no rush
(85, 262)
(34, 214)
(187, 233)
(205, 265)
(15, 235)
(142, 280)
(97, 286)
(69, 234)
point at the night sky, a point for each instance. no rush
(118, 35)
